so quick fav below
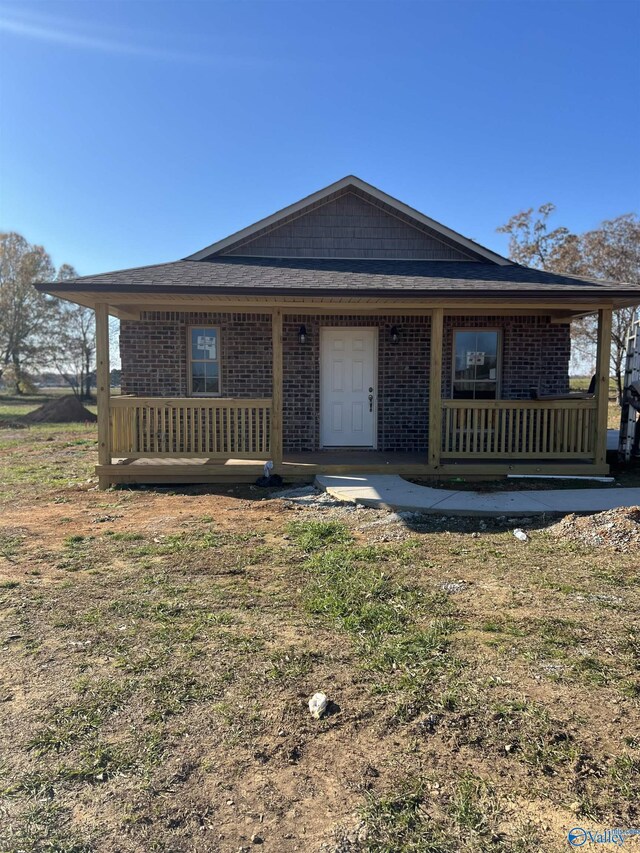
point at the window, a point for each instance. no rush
(476, 364)
(204, 360)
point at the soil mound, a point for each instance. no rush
(62, 410)
(616, 528)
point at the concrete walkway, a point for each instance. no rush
(389, 490)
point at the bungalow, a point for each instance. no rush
(347, 332)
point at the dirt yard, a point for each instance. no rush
(159, 648)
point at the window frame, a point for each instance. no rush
(499, 350)
(191, 361)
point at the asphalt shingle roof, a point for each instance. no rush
(342, 277)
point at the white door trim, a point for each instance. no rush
(375, 331)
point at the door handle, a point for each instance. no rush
(370, 402)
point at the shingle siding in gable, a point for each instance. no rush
(348, 227)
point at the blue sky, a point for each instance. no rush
(138, 132)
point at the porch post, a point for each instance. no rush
(435, 388)
(103, 384)
(603, 369)
(276, 395)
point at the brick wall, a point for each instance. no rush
(154, 363)
(153, 352)
(403, 380)
(535, 354)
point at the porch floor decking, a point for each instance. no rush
(297, 466)
(359, 458)
(305, 466)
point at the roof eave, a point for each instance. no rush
(516, 293)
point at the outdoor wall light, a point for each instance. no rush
(394, 334)
(302, 334)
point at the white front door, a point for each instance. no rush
(348, 387)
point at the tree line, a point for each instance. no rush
(41, 333)
(610, 252)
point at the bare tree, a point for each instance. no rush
(74, 342)
(25, 314)
(610, 252)
(530, 241)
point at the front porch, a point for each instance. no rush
(182, 439)
(187, 441)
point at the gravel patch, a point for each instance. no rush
(618, 529)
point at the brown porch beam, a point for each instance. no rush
(435, 388)
(126, 312)
(470, 304)
(564, 319)
(276, 394)
(603, 369)
(130, 311)
(103, 386)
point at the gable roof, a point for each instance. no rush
(235, 266)
(457, 246)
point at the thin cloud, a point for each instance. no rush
(47, 31)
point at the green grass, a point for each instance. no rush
(398, 822)
(45, 827)
(424, 816)
(40, 460)
(315, 535)
(10, 543)
(531, 734)
(161, 650)
(347, 584)
(625, 774)
(292, 664)
(400, 631)
(69, 723)
(124, 536)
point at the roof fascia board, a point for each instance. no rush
(104, 293)
(344, 183)
(249, 258)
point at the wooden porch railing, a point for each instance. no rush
(213, 427)
(519, 429)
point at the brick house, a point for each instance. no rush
(346, 332)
